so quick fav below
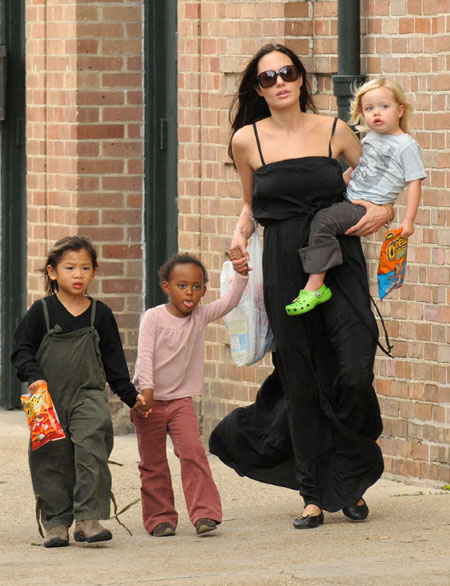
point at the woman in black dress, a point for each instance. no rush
(314, 424)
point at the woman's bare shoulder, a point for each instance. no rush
(243, 139)
(344, 132)
(243, 135)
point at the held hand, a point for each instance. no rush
(374, 218)
(407, 228)
(144, 403)
(240, 256)
(236, 257)
(140, 406)
(35, 385)
(149, 400)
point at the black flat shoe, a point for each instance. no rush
(308, 522)
(357, 512)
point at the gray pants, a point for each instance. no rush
(324, 251)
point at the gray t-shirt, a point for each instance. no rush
(386, 165)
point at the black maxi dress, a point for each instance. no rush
(316, 418)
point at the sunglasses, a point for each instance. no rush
(269, 78)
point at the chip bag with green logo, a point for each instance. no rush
(392, 265)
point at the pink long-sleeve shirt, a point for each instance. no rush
(171, 349)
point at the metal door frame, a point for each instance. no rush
(13, 195)
(161, 141)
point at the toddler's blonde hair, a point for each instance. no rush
(356, 113)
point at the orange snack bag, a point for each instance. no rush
(42, 418)
(392, 265)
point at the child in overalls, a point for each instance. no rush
(72, 342)
(169, 372)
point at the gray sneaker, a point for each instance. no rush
(91, 531)
(57, 537)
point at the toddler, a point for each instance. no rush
(390, 160)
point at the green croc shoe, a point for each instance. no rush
(308, 300)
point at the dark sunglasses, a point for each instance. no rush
(269, 78)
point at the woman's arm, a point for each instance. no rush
(245, 227)
(346, 145)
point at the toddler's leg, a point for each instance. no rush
(323, 251)
(200, 491)
(156, 483)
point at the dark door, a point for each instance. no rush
(12, 185)
(161, 201)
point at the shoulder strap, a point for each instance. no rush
(93, 308)
(47, 319)
(258, 143)
(388, 343)
(330, 152)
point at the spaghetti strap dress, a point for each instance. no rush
(315, 421)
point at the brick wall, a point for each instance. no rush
(85, 145)
(404, 39)
(410, 42)
(85, 174)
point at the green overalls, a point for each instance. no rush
(71, 477)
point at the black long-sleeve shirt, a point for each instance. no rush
(32, 329)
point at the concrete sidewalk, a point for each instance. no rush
(406, 540)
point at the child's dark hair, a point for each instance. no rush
(166, 269)
(58, 250)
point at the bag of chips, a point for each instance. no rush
(392, 265)
(42, 418)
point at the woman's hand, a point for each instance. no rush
(375, 217)
(239, 242)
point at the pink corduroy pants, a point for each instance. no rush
(178, 419)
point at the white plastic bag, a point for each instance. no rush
(247, 324)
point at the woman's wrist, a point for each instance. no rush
(245, 226)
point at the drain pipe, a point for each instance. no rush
(349, 48)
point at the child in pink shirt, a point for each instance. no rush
(169, 372)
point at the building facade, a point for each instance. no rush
(115, 153)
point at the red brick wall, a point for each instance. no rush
(407, 40)
(85, 145)
(85, 173)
